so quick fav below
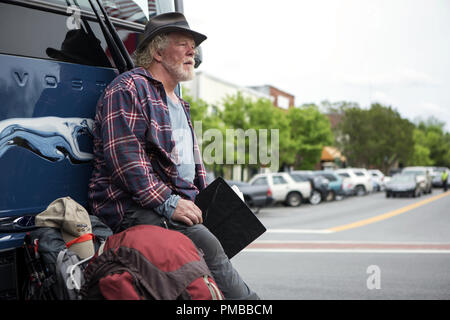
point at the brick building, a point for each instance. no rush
(281, 99)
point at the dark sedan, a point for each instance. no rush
(255, 196)
(319, 185)
(403, 184)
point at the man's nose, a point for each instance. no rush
(191, 51)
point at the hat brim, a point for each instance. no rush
(198, 37)
(67, 57)
(59, 55)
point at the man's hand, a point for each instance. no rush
(187, 212)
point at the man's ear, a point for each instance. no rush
(158, 55)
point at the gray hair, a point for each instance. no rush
(144, 57)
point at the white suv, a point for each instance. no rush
(284, 188)
(360, 179)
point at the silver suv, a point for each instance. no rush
(423, 175)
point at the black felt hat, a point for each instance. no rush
(165, 23)
(80, 47)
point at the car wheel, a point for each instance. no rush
(294, 199)
(315, 198)
(360, 191)
(388, 194)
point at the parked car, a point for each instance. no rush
(377, 179)
(256, 196)
(404, 184)
(336, 190)
(437, 176)
(319, 185)
(423, 175)
(347, 183)
(359, 178)
(284, 188)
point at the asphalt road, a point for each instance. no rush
(366, 247)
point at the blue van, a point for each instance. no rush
(336, 189)
(56, 58)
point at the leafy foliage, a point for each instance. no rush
(375, 137)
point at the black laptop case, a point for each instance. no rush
(228, 217)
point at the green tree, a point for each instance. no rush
(378, 137)
(263, 115)
(310, 131)
(255, 118)
(430, 139)
(421, 155)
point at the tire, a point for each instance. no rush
(360, 190)
(315, 198)
(294, 199)
(388, 194)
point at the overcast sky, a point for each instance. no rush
(396, 52)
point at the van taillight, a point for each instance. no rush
(269, 193)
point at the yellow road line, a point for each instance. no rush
(388, 214)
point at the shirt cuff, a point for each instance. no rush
(167, 208)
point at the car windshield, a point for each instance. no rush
(299, 178)
(414, 172)
(260, 182)
(403, 178)
(330, 177)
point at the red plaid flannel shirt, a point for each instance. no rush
(133, 142)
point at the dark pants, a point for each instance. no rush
(226, 277)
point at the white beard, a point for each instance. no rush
(178, 71)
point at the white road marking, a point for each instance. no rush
(303, 231)
(259, 250)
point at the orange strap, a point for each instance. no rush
(83, 238)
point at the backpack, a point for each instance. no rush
(70, 274)
(55, 272)
(147, 262)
